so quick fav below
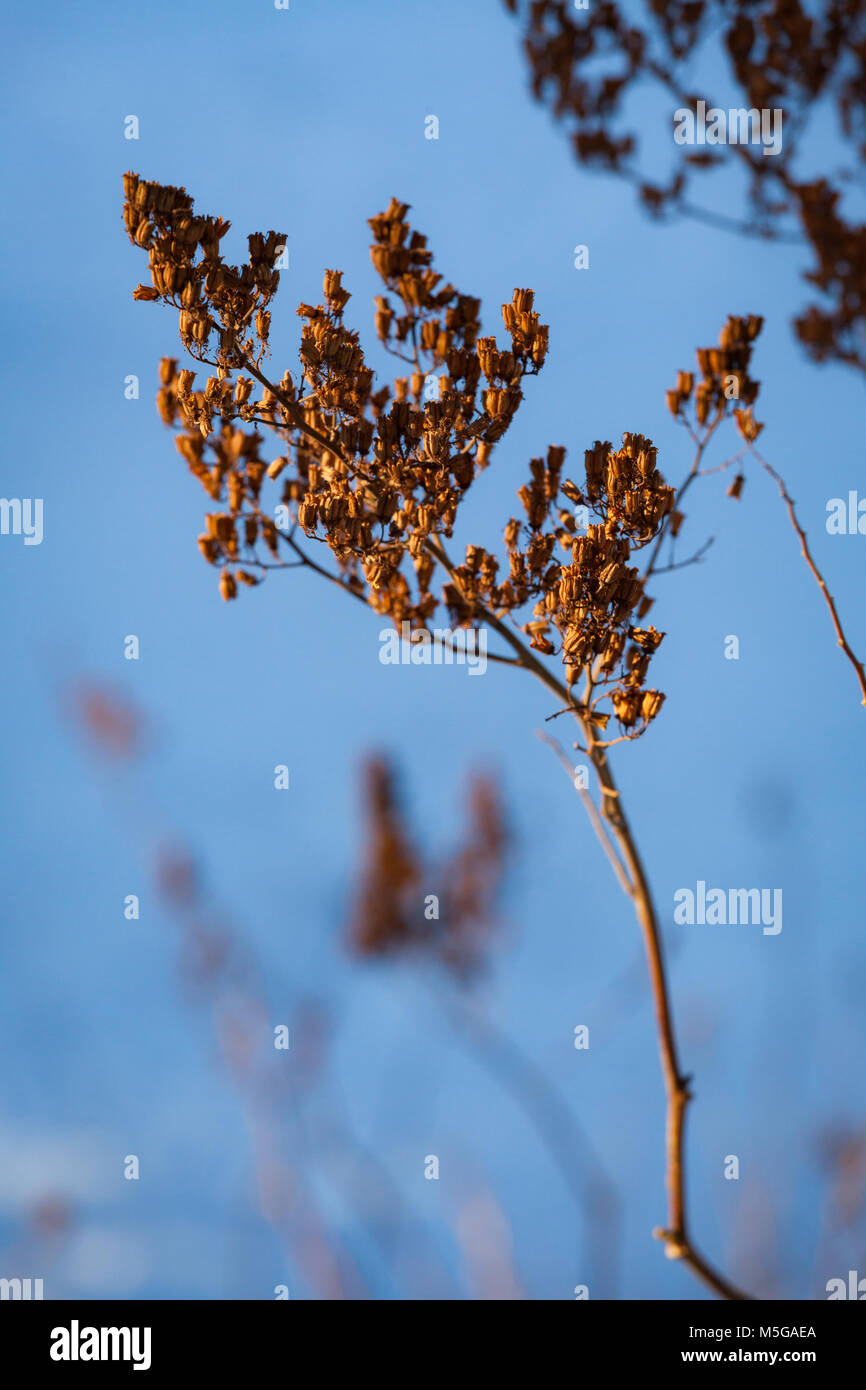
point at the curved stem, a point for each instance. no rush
(841, 639)
(678, 1244)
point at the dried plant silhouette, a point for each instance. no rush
(296, 1117)
(455, 934)
(455, 930)
(593, 68)
(218, 971)
(377, 479)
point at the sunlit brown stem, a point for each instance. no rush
(676, 1238)
(841, 639)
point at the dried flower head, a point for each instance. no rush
(378, 476)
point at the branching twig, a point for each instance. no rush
(700, 443)
(592, 812)
(841, 639)
(695, 559)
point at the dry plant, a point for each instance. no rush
(377, 479)
(455, 937)
(217, 970)
(385, 917)
(219, 973)
(588, 65)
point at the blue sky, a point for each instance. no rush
(308, 121)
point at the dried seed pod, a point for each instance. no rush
(736, 487)
(228, 586)
(651, 703)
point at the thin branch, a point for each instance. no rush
(592, 811)
(295, 413)
(841, 639)
(566, 709)
(695, 559)
(491, 656)
(721, 467)
(710, 218)
(320, 569)
(700, 449)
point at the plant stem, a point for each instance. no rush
(678, 1244)
(841, 639)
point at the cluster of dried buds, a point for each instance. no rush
(724, 379)
(188, 271)
(585, 606)
(408, 905)
(378, 476)
(724, 382)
